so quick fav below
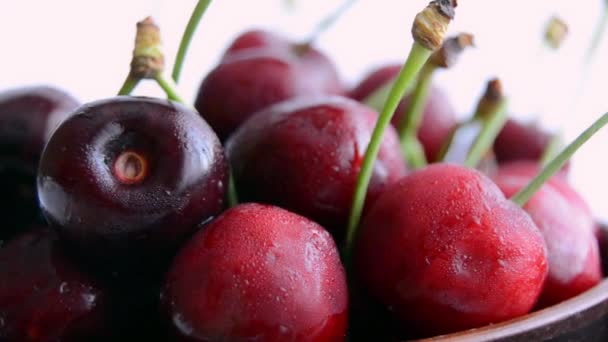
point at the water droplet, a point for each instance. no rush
(502, 263)
(283, 330)
(427, 260)
(168, 192)
(183, 326)
(64, 288)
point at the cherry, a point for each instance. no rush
(602, 229)
(444, 250)
(305, 154)
(257, 77)
(44, 296)
(521, 141)
(439, 117)
(258, 272)
(568, 229)
(28, 116)
(127, 179)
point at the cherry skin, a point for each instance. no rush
(28, 116)
(603, 243)
(438, 118)
(127, 179)
(44, 296)
(446, 251)
(305, 155)
(568, 229)
(258, 272)
(258, 70)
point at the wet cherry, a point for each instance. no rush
(258, 272)
(305, 154)
(568, 229)
(444, 250)
(127, 179)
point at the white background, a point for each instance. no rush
(85, 46)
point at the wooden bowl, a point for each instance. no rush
(582, 318)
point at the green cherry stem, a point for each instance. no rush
(169, 87)
(428, 31)
(408, 130)
(491, 126)
(597, 35)
(552, 148)
(558, 162)
(195, 18)
(328, 21)
(233, 198)
(129, 85)
(415, 61)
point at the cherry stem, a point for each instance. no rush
(551, 149)
(129, 85)
(195, 18)
(491, 126)
(408, 129)
(377, 99)
(597, 36)
(233, 198)
(169, 87)
(328, 21)
(522, 197)
(414, 63)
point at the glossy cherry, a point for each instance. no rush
(260, 69)
(44, 296)
(603, 243)
(568, 229)
(444, 250)
(28, 116)
(258, 272)
(127, 179)
(305, 154)
(439, 117)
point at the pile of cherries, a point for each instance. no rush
(117, 223)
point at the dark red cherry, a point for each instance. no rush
(568, 229)
(259, 69)
(603, 244)
(44, 296)
(444, 250)
(522, 141)
(127, 179)
(28, 116)
(258, 272)
(305, 154)
(439, 117)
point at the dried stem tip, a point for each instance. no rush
(492, 97)
(556, 32)
(451, 49)
(431, 24)
(148, 59)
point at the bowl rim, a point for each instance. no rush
(584, 308)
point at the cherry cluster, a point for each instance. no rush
(284, 205)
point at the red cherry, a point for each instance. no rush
(446, 251)
(568, 229)
(258, 272)
(304, 155)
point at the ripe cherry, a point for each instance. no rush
(28, 116)
(439, 117)
(258, 272)
(44, 296)
(568, 229)
(260, 69)
(305, 154)
(127, 179)
(444, 250)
